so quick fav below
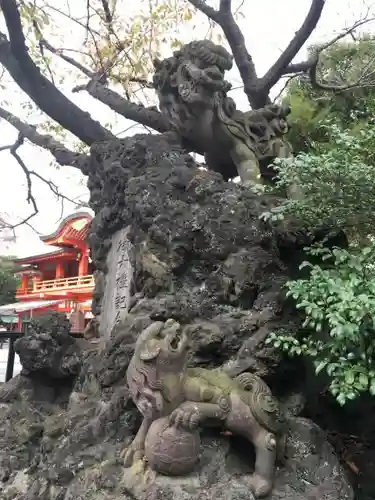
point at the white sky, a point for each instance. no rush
(267, 26)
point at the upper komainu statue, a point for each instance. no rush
(163, 387)
(192, 93)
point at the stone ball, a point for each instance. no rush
(171, 451)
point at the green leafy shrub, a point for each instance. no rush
(8, 281)
(343, 62)
(337, 183)
(338, 303)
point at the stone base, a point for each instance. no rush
(311, 471)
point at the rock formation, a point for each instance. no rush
(186, 245)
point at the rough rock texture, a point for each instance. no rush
(48, 349)
(202, 254)
(51, 360)
(309, 472)
(51, 452)
(75, 456)
(203, 257)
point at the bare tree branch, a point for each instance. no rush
(309, 68)
(148, 116)
(13, 148)
(104, 68)
(70, 18)
(44, 43)
(143, 82)
(286, 83)
(365, 80)
(206, 9)
(257, 89)
(4, 225)
(307, 65)
(30, 197)
(245, 64)
(14, 56)
(63, 155)
(119, 45)
(41, 48)
(107, 12)
(274, 74)
(301, 67)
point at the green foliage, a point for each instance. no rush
(8, 281)
(344, 63)
(337, 183)
(333, 181)
(339, 308)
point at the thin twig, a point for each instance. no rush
(301, 36)
(13, 149)
(14, 55)
(68, 16)
(313, 60)
(287, 82)
(63, 155)
(30, 197)
(143, 82)
(59, 52)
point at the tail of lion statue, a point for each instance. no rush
(265, 407)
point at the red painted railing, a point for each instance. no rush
(76, 282)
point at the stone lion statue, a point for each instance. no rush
(162, 385)
(192, 93)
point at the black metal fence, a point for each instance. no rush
(13, 336)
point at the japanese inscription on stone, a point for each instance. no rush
(117, 283)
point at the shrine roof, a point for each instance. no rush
(71, 230)
(35, 259)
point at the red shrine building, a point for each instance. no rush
(60, 280)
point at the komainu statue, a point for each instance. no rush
(164, 388)
(192, 93)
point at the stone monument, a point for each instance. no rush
(116, 296)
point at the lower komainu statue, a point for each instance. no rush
(175, 401)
